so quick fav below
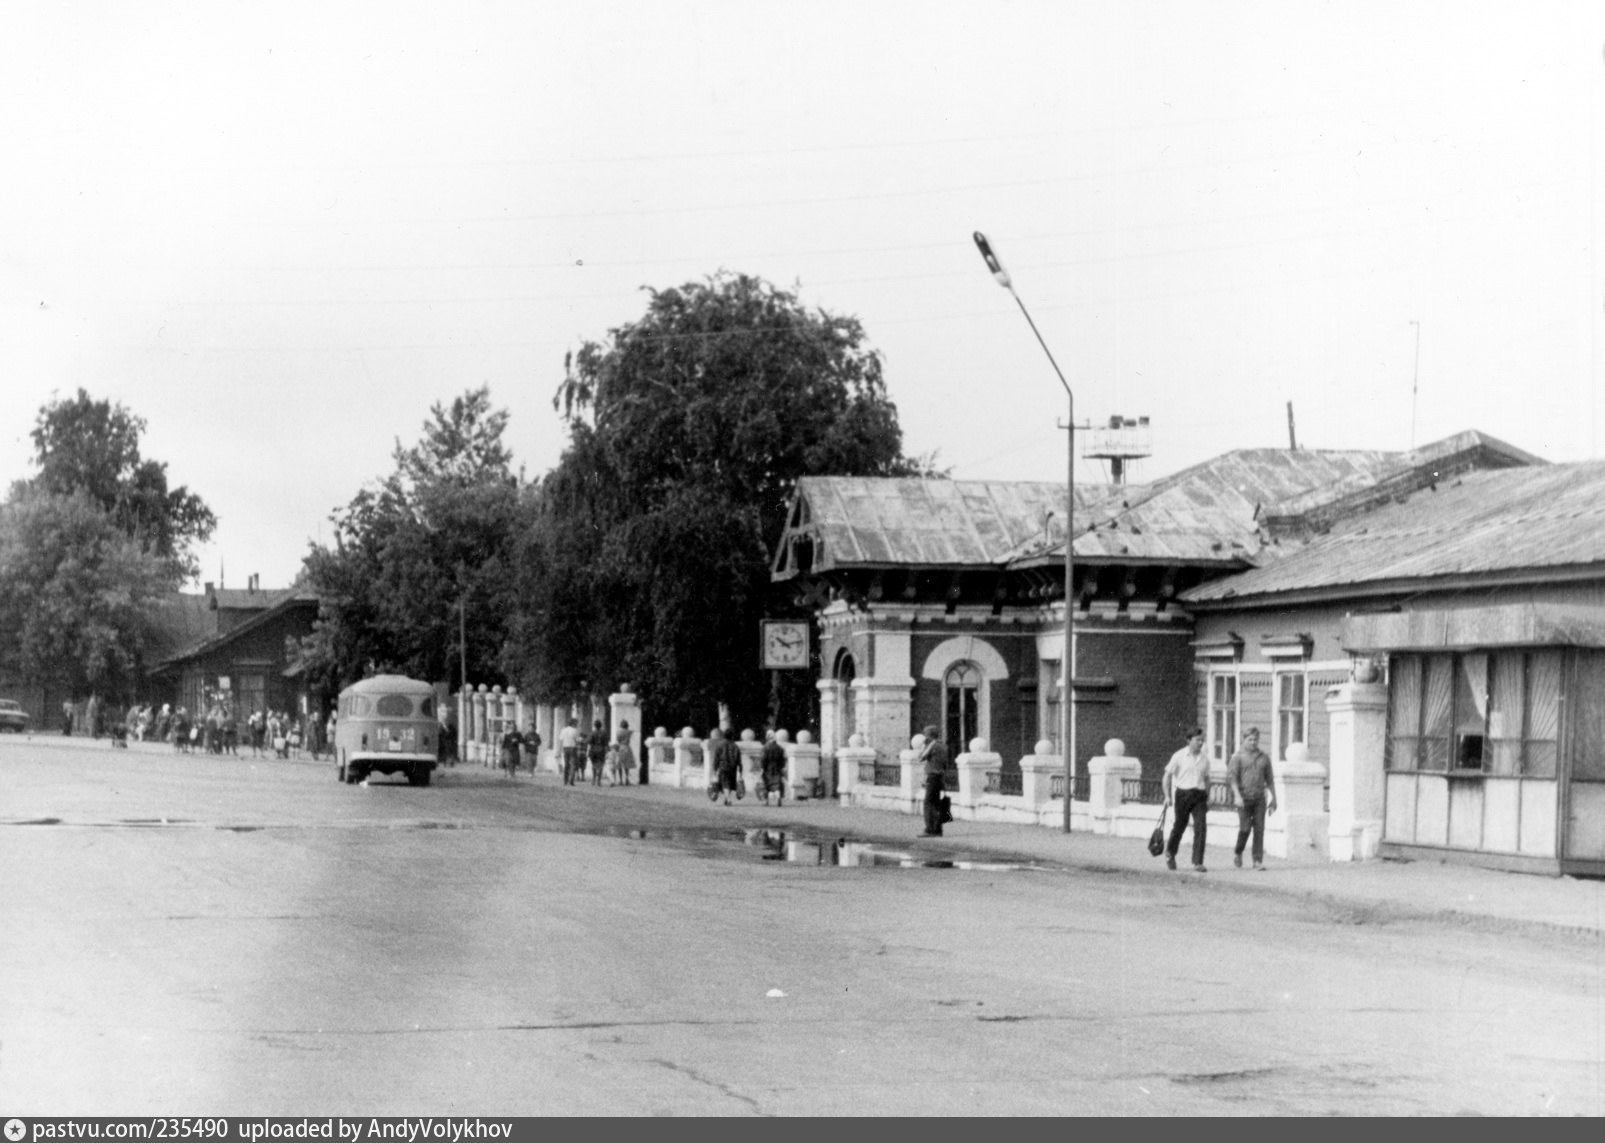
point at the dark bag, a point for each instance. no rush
(944, 809)
(1156, 840)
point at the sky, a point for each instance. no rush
(280, 233)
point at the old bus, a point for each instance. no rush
(386, 725)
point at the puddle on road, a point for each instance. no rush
(767, 844)
(795, 848)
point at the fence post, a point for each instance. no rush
(802, 766)
(1106, 775)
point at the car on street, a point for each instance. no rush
(12, 716)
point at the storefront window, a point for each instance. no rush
(1498, 713)
(1404, 713)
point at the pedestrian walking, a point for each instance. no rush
(1186, 786)
(933, 759)
(532, 749)
(512, 744)
(596, 750)
(568, 741)
(772, 764)
(1254, 787)
(66, 718)
(724, 764)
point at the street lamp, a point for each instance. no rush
(1068, 660)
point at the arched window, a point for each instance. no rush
(961, 710)
(846, 713)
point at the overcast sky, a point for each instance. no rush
(281, 232)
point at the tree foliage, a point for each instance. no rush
(78, 595)
(646, 558)
(92, 447)
(429, 539)
(90, 547)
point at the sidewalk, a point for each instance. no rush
(1364, 891)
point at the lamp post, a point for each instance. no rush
(1068, 659)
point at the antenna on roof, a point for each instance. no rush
(1119, 442)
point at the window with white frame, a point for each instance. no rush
(1290, 691)
(1222, 715)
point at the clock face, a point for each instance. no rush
(785, 644)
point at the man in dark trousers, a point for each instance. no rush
(1186, 785)
(1254, 787)
(773, 762)
(933, 756)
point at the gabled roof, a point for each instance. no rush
(211, 638)
(1536, 518)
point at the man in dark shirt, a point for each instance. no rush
(933, 756)
(1254, 787)
(773, 761)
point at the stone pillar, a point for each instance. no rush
(685, 772)
(1106, 775)
(660, 757)
(973, 765)
(476, 746)
(1301, 790)
(546, 727)
(885, 710)
(751, 759)
(830, 738)
(626, 707)
(848, 760)
(464, 715)
(1358, 717)
(1036, 774)
(802, 766)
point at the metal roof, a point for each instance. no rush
(1208, 514)
(879, 521)
(1504, 520)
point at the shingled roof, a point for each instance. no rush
(1482, 524)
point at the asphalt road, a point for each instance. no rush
(205, 936)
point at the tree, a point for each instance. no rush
(430, 538)
(90, 546)
(646, 555)
(92, 447)
(78, 595)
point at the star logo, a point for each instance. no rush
(16, 1130)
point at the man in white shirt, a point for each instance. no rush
(568, 740)
(1186, 786)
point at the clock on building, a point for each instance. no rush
(785, 644)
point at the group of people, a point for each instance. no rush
(1186, 788)
(724, 768)
(216, 731)
(609, 758)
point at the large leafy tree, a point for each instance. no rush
(89, 547)
(89, 447)
(415, 553)
(646, 558)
